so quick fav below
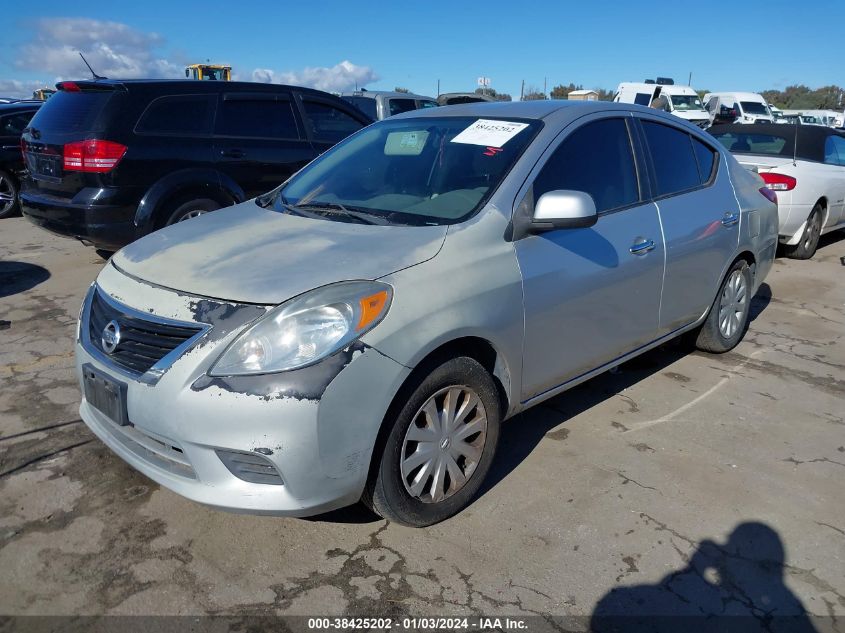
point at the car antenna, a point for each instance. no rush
(96, 76)
(795, 146)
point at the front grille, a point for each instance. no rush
(143, 342)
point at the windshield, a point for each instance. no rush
(754, 107)
(686, 102)
(410, 171)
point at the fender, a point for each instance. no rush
(216, 183)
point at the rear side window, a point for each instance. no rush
(675, 167)
(257, 119)
(706, 158)
(178, 114)
(14, 124)
(69, 112)
(596, 159)
(398, 106)
(329, 124)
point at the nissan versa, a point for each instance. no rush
(360, 332)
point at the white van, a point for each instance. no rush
(749, 107)
(682, 101)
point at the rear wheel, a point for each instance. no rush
(8, 195)
(192, 209)
(440, 446)
(728, 317)
(809, 242)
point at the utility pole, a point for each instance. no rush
(689, 81)
(545, 79)
(522, 90)
(438, 87)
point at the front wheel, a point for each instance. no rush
(440, 446)
(192, 209)
(8, 195)
(728, 317)
(809, 242)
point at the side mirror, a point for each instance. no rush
(563, 209)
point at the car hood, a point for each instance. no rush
(253, 255)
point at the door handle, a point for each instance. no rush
(232, 153)
(642, 247)
(730, 218)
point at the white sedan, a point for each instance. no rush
(805, 165)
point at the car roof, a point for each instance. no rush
(19, 106)
(196, 86)
(521, 109)
(384, 93)
(809, 144)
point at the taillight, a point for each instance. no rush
(68, 86)
(778, 182)
(92, 155)
(770, 195)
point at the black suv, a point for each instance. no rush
(14, 117)
(110, 161)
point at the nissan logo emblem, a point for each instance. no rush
(111, 337)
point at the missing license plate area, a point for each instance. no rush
(105, 394)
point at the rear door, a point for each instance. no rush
(591, 294)
(328, 122)
(259, 140)
(700, 218)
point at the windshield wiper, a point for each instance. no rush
(362, 216)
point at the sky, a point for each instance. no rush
(337, 46)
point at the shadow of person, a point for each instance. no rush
(737, 586)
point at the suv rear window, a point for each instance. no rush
(398, 106)
(71, 111)
(178, 114)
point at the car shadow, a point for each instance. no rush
(18, 277)
(733, 586)
(521, 434)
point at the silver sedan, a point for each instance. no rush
(361, 332)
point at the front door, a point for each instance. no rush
(591, 294)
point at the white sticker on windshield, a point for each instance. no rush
(489, 133)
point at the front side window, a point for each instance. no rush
(834, 150)
(408, 171)
(675, 167)
(257, 118)
(328, 123)
(177, 114)
(596, 159)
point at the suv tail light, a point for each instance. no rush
(92, 156)
(778, 182)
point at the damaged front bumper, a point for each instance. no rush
(294, 443)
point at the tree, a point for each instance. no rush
(490, 92)
(562, 92)
(532, 93)
(399, 89)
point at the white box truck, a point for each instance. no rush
(663, 94)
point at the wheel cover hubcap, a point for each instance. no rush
(7, 198)
(813, 229)
(732, 304)
(443, 444)
(195, 213)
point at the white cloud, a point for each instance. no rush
(18, 88)
(113, 49)
(340, 77)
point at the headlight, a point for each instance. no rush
(306, 329)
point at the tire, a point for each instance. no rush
(809, 242)
(8, 195)
(191, 209)
(727, 320)
(390, 492)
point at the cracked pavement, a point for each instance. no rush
(694, 483)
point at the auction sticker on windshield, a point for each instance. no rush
(489, 133)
